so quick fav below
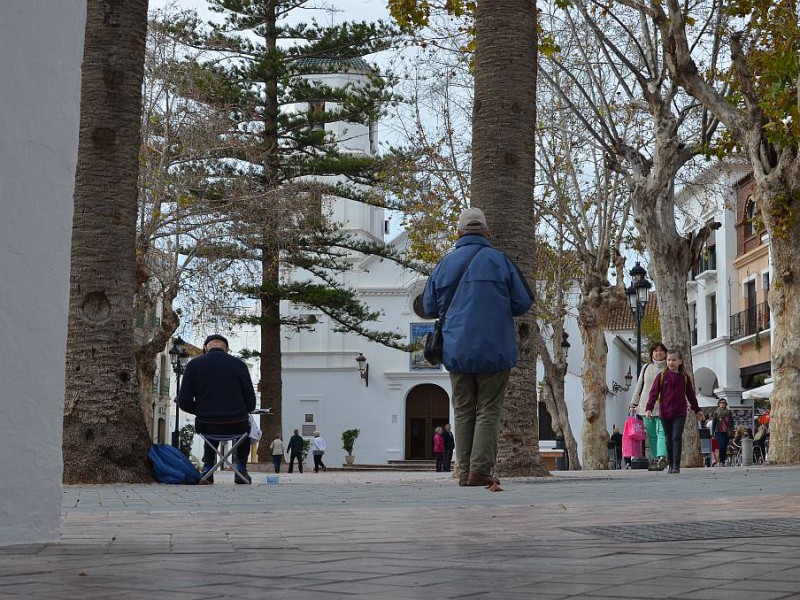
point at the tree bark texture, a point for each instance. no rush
(271, 372)
(105, 438)
(503, 144)
(778, 196)
(776, 171)
(594, 433)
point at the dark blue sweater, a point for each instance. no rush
(217, 386)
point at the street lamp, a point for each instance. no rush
(616, 388)
(638, 295)
(565, 345)
(363, 368)
(178, 357)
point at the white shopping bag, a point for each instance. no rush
(255, 430)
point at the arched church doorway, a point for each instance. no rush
(427, 407)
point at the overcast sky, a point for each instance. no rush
(344, 10)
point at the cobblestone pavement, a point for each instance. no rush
(704, 534)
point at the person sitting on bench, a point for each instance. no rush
(217, 389)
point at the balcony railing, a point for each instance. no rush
(707, 262)
(750, 321)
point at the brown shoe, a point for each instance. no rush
(475, 479)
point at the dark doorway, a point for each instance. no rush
(427, 407)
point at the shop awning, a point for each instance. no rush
(705, 401)
(760, 392)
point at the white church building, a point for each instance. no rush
(394, 398)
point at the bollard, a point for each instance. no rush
(747, 452)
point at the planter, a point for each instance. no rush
(349, 458)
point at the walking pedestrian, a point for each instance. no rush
(480, 290)
(721, 427)
(277, 452)
(655, 429)
(438, 449)
(318, 449)
(449, 446)
(673, 388)
(295, 451)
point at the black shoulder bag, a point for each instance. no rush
(434, 342)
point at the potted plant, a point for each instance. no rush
(348, 439)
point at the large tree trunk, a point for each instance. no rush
(271, 368)
(776, 171)
(671, 255)
(778, 196)
(271, 379)
(503, 143)
(592, 311)
(105, 438)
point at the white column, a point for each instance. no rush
(41, 46)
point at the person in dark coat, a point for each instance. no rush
(295, 449)
(217, 389)
(449, 446)
(616, 441)
(479, 290)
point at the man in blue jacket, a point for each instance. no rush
(217, 389)
(480, 344)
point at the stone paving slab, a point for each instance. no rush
(625, 534)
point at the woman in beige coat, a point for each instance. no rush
(655, 430)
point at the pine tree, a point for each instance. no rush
(292, 140)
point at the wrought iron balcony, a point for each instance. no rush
(750, 321)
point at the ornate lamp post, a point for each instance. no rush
(363, 368)
(637, 294)
(178, 357)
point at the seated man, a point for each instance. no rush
(217, 389)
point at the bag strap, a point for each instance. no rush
(460, 277)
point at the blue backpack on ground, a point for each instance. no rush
(170, 465)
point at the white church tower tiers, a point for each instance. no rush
(357, 218)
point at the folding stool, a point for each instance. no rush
(237, 438)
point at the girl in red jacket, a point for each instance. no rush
(673, 388)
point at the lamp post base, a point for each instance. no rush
(176, 439)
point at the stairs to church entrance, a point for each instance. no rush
(395, 465)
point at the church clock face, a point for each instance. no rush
(417, 306)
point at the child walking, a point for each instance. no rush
(673, 388)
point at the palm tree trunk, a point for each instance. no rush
(105, 438)
(503, 143)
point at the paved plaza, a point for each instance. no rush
(704, 534)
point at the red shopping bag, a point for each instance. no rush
(633, 435)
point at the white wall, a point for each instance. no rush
(41, 45)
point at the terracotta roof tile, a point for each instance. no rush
(621, 319)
